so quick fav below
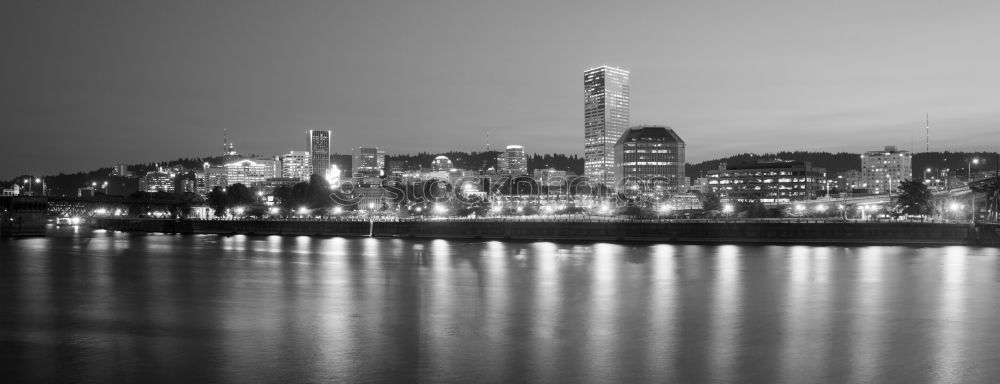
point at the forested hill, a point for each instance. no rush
(843, 161)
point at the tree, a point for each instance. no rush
(914, 199)
(239, 195)
(710, 202)
(217, 201)
(318, 192)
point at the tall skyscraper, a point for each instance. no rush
(605, 110)
(319, 152)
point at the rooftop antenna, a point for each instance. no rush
(487, 141)
(927, 135)
(225, 140)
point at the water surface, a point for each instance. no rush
(106, 307)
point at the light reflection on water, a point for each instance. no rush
(117, 307)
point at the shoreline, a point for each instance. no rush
(669, 232)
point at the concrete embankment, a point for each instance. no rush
(666, 232)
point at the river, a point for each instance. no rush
(98, 307)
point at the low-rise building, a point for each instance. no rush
(770, 182)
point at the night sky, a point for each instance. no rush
(86, 84)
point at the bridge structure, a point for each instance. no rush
(113, 206)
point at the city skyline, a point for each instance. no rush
(129, 83)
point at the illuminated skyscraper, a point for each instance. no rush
(319, 152)
(605, 108)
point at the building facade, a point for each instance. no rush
(249, 172)
(296, 165)
(882, 171)
(365, 163)
(770, 182)
(121, 170)
(513, 161)
(847, 181)
(651, 156)
(319, 152)
(157, 181)
(606, 117)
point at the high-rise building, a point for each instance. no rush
(296, 165)
(319, 152)
(651, 156)
(882, 171)
(366, 164)
(513, 161)
(605, 119)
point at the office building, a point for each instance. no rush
(513, 161)
(768, 181)
(365, 163)
(606, 117)
(157, 181)
(319, 152)
(249, 172)
(296, 165)
(882, 171)
(650, 157)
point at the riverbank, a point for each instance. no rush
(714, 232)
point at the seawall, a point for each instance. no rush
(864, 233)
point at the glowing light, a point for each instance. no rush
(303, 211)
(337, 210)
(728, 208)
(274, 210)
(239, 210)
(332, 176)
(821, 208)
(440, 209)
